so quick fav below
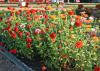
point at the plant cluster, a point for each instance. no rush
(62, 38)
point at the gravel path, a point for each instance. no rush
(7, 65)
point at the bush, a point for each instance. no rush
(62, 39)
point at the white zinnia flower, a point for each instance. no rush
(22, 25)
(91, 18)
(93, 29)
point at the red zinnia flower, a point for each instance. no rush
(78, 23)
(28, 12)
(97, 68)
(13, 51)
(0, 19)
(42, 32)
(27, 33)
(33, 11)
(17, 24)
(44, 68)
(28, 45)
(53, 35)
(47, 29)
(29, 18)
(13, 35)
(79, 44)
(28, 39)
(12, 14)
(18, 12)
(46, 16)
(7, 28)
(16, 29)
(71, 12)
(93, 35)
(29, 26)
(11, 8)
(20, 34)
(1, 44)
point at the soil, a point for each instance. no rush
(35, 64)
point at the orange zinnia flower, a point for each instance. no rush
(78, 17)
(79, 44)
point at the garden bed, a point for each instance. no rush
(54, 39)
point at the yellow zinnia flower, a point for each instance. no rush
(49, 7)
(53, 16)
(88, 28)
(63, 16)
(96, 39)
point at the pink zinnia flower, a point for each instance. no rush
(37, 31)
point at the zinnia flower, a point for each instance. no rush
(53, 17)
(91, 18)
(20, 34)
(12, 14)
(0, 19)
(29, 26)
(47, 29)
(33, 11)
(78, 23)
(41, 16)
(37, 31)
(28, 12)
(18, 12)
(63, 16)
(22, 25)
(27, 33)
(16, 29)
(13, 35)
(71, 28)
(28, 45)
(53, 35)
(1, 44)
(71, 12)
(28, 39)
(79, 44)
(96, 68)
(29, 18)
(17, 23)
(46, 16)
(44, 68)
(13, 51)
(11, 8)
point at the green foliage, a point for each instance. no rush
(57, 50)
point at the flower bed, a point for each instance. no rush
(62, 39)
